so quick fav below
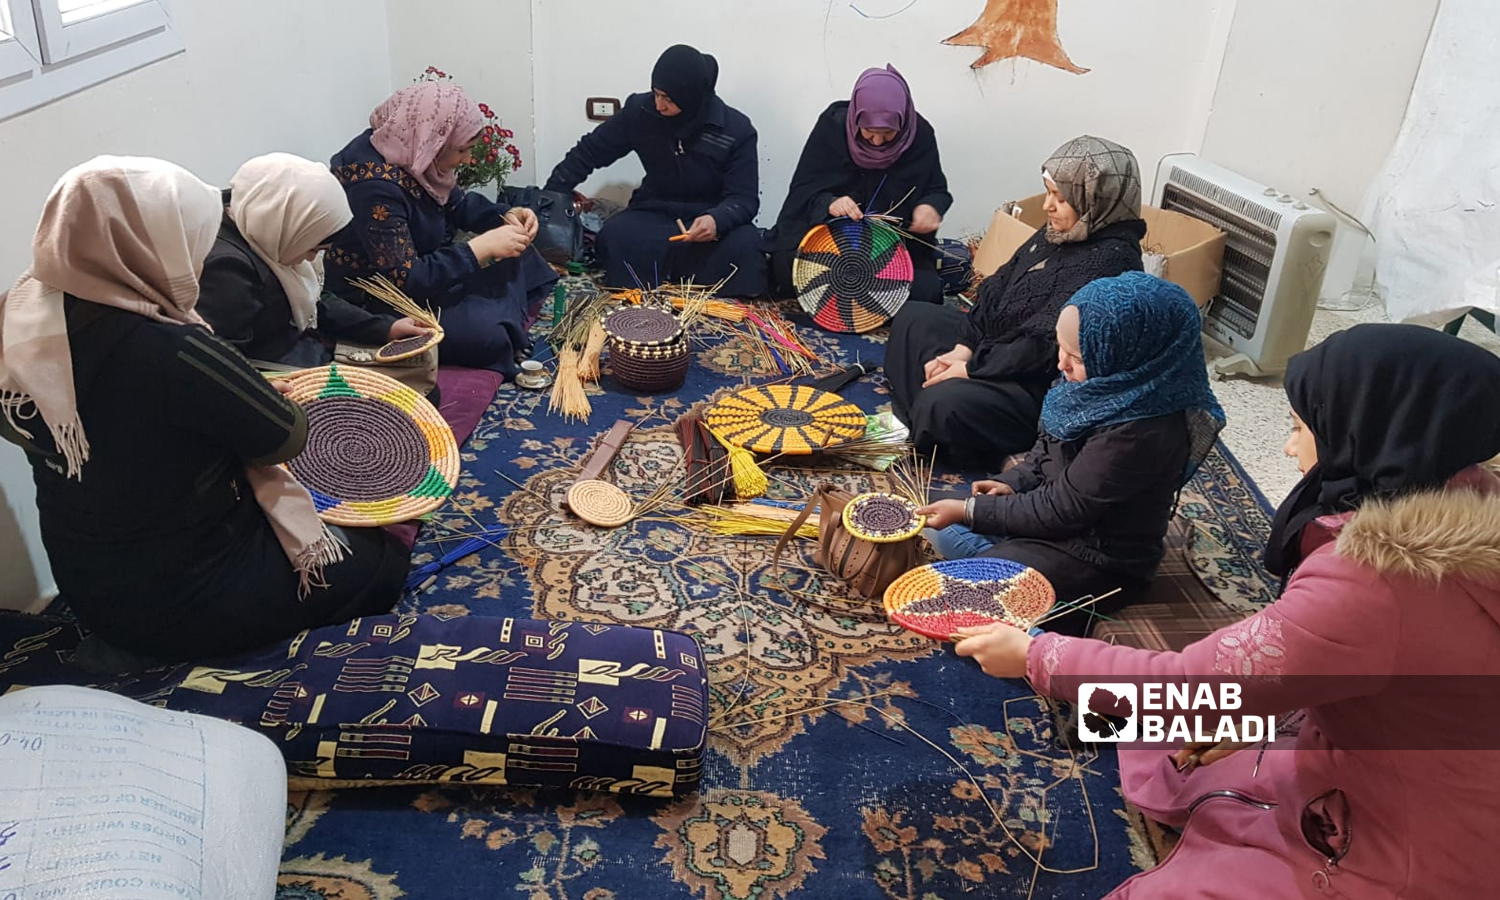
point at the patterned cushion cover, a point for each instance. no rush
(475, 700)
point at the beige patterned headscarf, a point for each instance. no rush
(130, 233)
(1100, 180)
(285, 206)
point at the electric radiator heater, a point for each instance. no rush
(1275, 251)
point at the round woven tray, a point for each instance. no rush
(377, 452)
(781, 418)
(642, 326)
(852, 276)
(882, 518)
(600, 503)
(649, 369)
(939, 599)
(407, 347)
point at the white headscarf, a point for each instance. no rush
(285, 206)
(131, 233)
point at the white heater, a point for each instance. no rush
(1275, 251)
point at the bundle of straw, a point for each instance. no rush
(384, 290)
(570, 337)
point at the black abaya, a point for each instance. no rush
(981, 419)
(826, 172)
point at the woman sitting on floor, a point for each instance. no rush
(1121, 433)
(171, 530)
(874, 150)
(977, 400)
(1387, 635)
(260, 289)
(400, 177)
(702, 170)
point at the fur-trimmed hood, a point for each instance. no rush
(1450, 533)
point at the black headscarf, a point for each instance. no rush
(688, 78)
(1393, 409)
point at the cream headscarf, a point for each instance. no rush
(285, 206)
(1100, 180)
(130, 233)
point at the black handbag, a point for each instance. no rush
(559, 235)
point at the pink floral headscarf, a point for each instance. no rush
(418, 123)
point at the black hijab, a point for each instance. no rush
(688, 78)
(1393, 409)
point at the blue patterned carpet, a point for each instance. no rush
(928, 780)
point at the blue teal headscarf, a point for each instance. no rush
(1139, 338)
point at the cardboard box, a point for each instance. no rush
(1192, 251)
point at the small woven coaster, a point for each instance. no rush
(882, 518)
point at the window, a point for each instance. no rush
(52, 48)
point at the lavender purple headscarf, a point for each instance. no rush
(881, 99)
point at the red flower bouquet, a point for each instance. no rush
(494, 157)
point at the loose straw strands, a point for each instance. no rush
(571, 337)
(384, 290)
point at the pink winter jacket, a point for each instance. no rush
(1388, 636)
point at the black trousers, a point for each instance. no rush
(639, 239)
(249, 600)
(971, 422)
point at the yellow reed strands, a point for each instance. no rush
(568, 397)
(588, 364)
(384, 290)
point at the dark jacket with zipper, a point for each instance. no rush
(1105, 499)
(714, 171)
(163, 521)
(244, 302)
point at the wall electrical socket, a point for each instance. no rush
(600, 108)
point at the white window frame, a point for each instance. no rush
(128, 20)
(51, 58)
(20, 48)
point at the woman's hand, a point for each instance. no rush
(845, 207)
(943, 513)
(703, 230)
(990, 489)
(505, 242)
(1000, 649)
(940, 364)
(953, 370)
(406, 328)
(524, 219)
(925, 219)
(1194, 754)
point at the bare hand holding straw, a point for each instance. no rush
(407, 327)
(1202, 753)
(524, 219)
(1000, 649)
(845, 207)
(506, 242)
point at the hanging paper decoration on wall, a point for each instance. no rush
(1017, 28)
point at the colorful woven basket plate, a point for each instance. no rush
(852, 276)
(783, 418)
(377, 452)
(882, 518)
(939, 599)
(407, 347)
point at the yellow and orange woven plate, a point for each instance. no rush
(377, 452)
(938, 599)
(783, 418)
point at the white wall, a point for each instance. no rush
(1312, 94)
(258, 75)
(782, 61)
(485, 45)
